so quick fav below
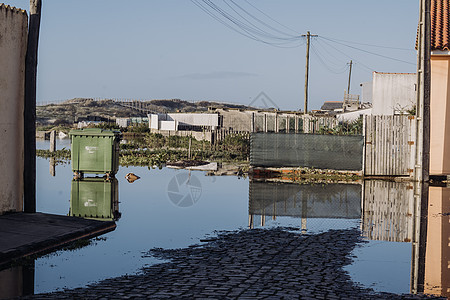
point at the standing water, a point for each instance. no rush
(169, 208)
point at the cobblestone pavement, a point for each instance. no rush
(249, 264)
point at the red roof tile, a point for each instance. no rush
(440, 25)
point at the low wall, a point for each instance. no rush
(13, 45)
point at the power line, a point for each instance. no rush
(370, 45)
(343, 53)
(369, 52)
(321, 58)
(239, 23)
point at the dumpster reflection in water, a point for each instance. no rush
(95, 198)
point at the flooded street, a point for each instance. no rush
(170, 209)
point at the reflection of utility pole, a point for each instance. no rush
(305, 199)
(308, 38)
(349, 76)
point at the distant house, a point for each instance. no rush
(332, 106)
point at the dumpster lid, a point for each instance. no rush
(94, 132)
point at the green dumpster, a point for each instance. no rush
(95, 198)
(95, 150)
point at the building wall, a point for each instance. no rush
(366, 91)
(236, 120)
(393, 93)
(13, 44)
(168, 121)
(195, 119)
(440, 116)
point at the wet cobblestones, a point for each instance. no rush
(250, 264)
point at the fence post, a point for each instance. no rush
(364, 146)
(265, 122)
(276, 123)
(252, 125)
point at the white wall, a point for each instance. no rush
(366, 91)
(393, 93)
(195, 119)
(13, 44)
(353, 115)
(171, 120)
(168, 125)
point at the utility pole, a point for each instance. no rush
(29, 174)
(349, 76)
(422, 155)
(308, 39)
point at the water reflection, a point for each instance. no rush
(388, 211)
(330, 201)
(393, 215)
(95, 198)
(17, 281)
(52, 167)
(437, 257)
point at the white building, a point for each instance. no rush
(180, 121)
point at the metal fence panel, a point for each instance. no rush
(306, 150)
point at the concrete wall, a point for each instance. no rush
(13, 44)
(440, 116)
(236, 120)
(168, 125)
(393, 93)
(366, 91)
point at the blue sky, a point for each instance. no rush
(164, 49)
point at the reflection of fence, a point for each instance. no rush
(307, 201)
(390, 145)
(306, 150)
(388, 209)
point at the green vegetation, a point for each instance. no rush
(155, 150)
(344, 128)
